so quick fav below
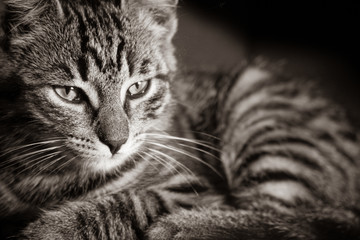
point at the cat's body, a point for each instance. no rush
(100, 139)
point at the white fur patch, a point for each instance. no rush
(250, 77)
(285, 190)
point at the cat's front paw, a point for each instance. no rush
(209, 224)
(75, 220)
(103, 218)
(165, 229)
(186, 224)
(51, 225)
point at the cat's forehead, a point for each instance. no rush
(108, 45)
(97, 42)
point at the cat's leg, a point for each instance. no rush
(123, 215)
(119, 216)
(258, 225)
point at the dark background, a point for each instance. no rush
(317, 38)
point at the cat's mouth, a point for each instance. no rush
(103, 160)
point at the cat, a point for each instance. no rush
(103, 138)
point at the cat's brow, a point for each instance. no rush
(82, 67)
(67, 70)
(144, 68)
(163, 77)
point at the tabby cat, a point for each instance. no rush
(102, 138)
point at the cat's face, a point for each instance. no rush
(90, 78)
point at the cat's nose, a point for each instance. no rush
(114, 146)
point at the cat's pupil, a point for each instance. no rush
(67, 90)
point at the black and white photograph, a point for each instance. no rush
(179, 119)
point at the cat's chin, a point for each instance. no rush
(108, 162)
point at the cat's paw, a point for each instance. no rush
(176, 226)
(164, 229)
(188, 224)
(97, 219)
(74, 220)
(51, 225)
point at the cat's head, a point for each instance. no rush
(83, 80)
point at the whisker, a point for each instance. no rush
(150, 162)
(38, 161)
(186, 154)
(201, 150)
(62, 166)
(182, 166)
(24, 157)
(189, 131)
(201, 143)
(33, 145)
(45, 167)
(162, 162)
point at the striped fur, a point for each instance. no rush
(257, 155)
(290, 157)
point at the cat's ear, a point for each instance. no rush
(19, 16)
(163, 3)
(169, 3)
(163, 13)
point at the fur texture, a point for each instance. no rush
(102, 138)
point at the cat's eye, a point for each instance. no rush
(138, 89)
(71, 94)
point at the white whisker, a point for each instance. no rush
(150, 162)
(59, 168)
(25, 157)
(201, 150)
(201, 143)
(162, 162)
(32, 145)
(186, 154)
(180, 165)
(22, 158)
(38, 161)
(188, 131)
(53, 162)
